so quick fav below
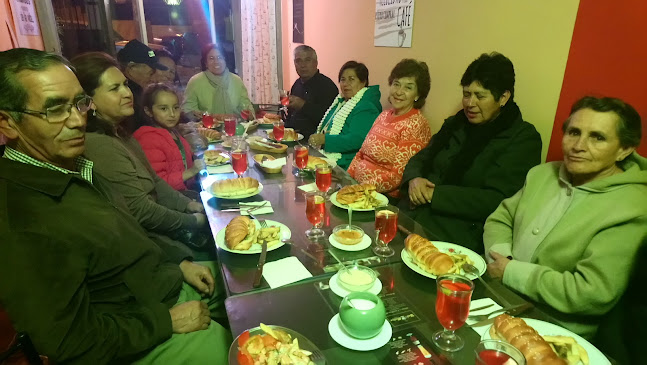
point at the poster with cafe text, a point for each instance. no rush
(393, 23)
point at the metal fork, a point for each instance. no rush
(260, 221)
(317, 357)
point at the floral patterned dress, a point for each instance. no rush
(389, 145)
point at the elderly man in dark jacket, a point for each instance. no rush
(80, 275)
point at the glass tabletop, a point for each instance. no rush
(288, 203)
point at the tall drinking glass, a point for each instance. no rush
(278, 130)
(323, 177)
(301, 158)
(315, 211)
(386, 226)
(230, 126)
(453, 296)
(495, 352)
(284, 97)
(238, 155)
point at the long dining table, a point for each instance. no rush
(307, 306)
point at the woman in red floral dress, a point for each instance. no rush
(397, 133)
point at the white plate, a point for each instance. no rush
(256, 247)
(342, 292)
(344, 339)
(299, 137)
(241, 196)
(548, 329)
(364, 243)
(381, 198)
(479, 263)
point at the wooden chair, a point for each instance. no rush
(15, 347)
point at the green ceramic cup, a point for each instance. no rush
(365, 318)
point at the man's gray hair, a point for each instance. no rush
(306, 48)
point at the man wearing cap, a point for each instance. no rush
(138, 63)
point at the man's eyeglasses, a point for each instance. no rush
(59, 113)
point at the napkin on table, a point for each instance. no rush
(279, 162)
(285, 271)
(309, 187)
(481, 303)
(267, 209)
(223, 169)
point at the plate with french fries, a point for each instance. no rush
(273, 235)
(572, 348)
(459, 254)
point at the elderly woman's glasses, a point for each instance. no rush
(60, 113)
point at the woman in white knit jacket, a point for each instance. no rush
(568, 238)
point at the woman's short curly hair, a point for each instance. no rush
(494, 72)
(419, 71)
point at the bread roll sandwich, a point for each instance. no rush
(234, 187)
(270, 118)
(258, 144)
(427, 256)
(516, 332)
(213, 157)
(353, 193)
(240, 233)
(313, 161)
(210, 134)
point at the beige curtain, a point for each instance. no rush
(258, 20)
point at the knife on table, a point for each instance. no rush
(261, 261)
(512, 311)
(259, 268)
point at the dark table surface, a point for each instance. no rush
(308, 307)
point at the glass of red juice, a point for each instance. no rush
(323, 177)
(300, 158)
(495, 352)
(453, 296)
(208, 120)
(315, 212)
(386, 226)
(278, 130)
(230, 126)
(239, 155)
(284, 97)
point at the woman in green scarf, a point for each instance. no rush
(345, 124)
(215, 90)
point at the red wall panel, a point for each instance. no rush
(608, 57)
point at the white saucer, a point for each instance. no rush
(344, 339)
(364, 243)
(339, 290)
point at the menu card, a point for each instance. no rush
(408, 347)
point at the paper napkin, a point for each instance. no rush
(285, 271)
(267, 209)
(309, 187)
(223, 169)
(482, 303)
(279, 162)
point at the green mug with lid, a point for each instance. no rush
(362, 315)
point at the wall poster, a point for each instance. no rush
(393, 23)
(297, 21)
(25, 17)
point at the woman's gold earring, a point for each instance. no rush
(94, 112)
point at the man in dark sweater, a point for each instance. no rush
(79, 274)
(311, 94)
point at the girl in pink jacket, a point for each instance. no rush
(167, 151)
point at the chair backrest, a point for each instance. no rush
(16, 348)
